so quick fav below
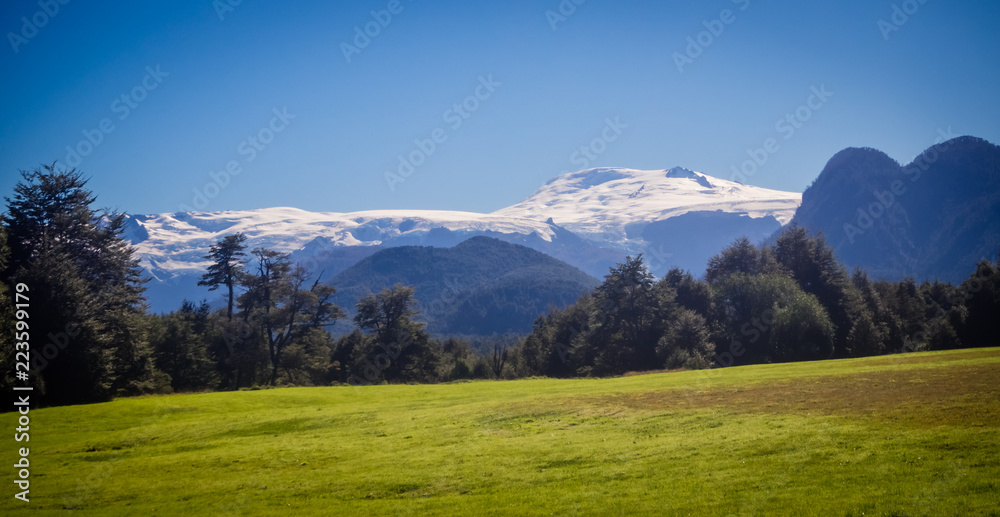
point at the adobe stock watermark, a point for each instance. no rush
(563, 11)
(658, 258)
(250, 148)
(372, 29)
(222, 7)
(713, 30)
(901, 14)
(48, 9)
(586, 154)
(453, 117)
(884, 200)
(787, 127)
(123, 107)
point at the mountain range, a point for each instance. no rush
(930, 219)
(589, 219)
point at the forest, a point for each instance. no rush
(92, 337)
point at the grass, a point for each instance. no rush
(913, 434)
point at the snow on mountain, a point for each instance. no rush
(590, 219)
(601, 203)
(176, 243)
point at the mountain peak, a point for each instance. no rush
(602, 201)
(682, 173)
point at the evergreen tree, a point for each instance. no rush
(691, 294)
(876, 329)
(687, 343)
(982, 301)
(865, 337)
(86, 290)
(568, 352)
(741, 257)
(306, 361)
(626, 323)
(813, 265)
(347, 349)
(533, 353)
(227, 267)
(180, 343)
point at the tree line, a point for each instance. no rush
(790, 301)
(93, 339)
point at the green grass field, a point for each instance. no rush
(913, 434)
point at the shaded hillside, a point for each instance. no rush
(481, 286)
(931, 219)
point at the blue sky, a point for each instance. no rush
(198, 88)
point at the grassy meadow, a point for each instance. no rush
(913, 434)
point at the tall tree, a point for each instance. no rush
(227, 267)
(813, 265)
(86, 289)
(627, 319)
(285, 311)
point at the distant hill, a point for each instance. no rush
(931, 219)
(480, 286)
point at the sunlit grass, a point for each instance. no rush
(912, 434)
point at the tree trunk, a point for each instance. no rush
(229, 309)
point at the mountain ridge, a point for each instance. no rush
(615, 207)
(931, 219)
(481, 286)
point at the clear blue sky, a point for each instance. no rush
(607, 60)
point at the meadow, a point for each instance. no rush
(909, 434)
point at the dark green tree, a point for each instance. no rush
(813, 265)
(227, 267)
(180, 342)
(687, 342)
(533, 352)
(401, 349)
(741, 257)
(347, 349)
(802, 329)
(283, 309)
(691, 293)
(768, 318)
(626, 321)
(457, 359)
(86, 290)
(982, 301)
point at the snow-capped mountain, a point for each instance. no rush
(176, 243)
(590, 219)
(600, 204)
